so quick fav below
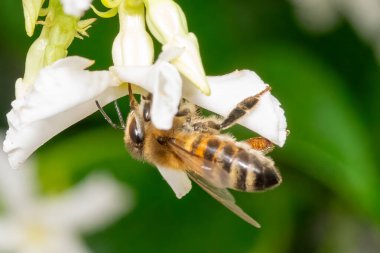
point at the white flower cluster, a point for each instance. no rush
(57, 91)
(33, 223)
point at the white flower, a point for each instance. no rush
(266, 119)
(76, 7)
(34, 223)
(63, 94)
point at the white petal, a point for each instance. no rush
(167, 94)
(76, 7)
(133, 74)
(17, 187)
(177, 180)
(140, 74)
(61, 96)
(73, 63)
(267, 117)
(91, 205)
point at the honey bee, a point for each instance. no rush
(195, 148)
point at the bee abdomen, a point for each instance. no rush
(249, 171)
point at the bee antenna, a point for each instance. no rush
(119, 114)
(132, 100)
(108, 119)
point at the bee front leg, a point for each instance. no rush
(242, 109)
(183, 113)
(186, 109)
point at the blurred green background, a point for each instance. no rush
(329, 87)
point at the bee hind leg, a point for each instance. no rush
(260, 144)
(242, 108)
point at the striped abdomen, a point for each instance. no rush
(238, 167)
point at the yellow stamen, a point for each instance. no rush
(83, 26)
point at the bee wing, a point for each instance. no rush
(177, 180)
(205, 169)
(224, 197)
(211, 179)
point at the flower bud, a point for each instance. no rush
(31, 11)
(133, 45)
(165, 19)
(189, 62)
(33, 64)
(167, 23)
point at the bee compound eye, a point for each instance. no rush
(136, 133)
(146, 111)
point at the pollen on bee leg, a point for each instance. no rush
(260, 144)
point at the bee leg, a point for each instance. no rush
(147, 98)
(107, 118)
(186, 109)
(183, 113)
(207, 126)
(134, 105)
(260, 144)
(242, 109)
